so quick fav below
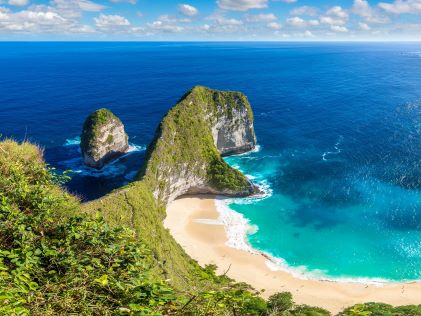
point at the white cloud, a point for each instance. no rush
(167, 28)
(168, 24)
(187, 10)
(73, 9)
(225, 21)
(274, 26)
(18, 2)
(338, 28)
(336, 17)
(172, 19)
(364, 26)
(262, 17)
(308, 34)
(241, 5)
(363, 9)
(331, 21)
(90, 6)
(111, 23)
(299, 22)
(305, 10)
(402, 6)
(221, 24)
(122, 1)
(287, 1)
(31, 21)
(338, 11)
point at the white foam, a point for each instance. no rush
(336, 147)
(237, 227)
(114, 168)
(256, 149)
(72, 141)
(303, 273)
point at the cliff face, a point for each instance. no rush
(185, 156)
(232, 128)
(103, 138)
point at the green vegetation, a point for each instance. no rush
(92, 126)
(379, 309)
(184, 144)
(113, 256)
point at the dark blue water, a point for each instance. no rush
(339, 127)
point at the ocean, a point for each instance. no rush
(338, 127)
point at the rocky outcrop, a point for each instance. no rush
(233, 130)
(185, 156)
(103, 138)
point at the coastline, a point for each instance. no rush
(194, 222)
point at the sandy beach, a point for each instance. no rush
(193, 222)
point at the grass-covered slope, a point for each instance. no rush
(182, 156)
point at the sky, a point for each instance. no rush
(211, 20)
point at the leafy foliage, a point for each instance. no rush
(280, 302)
(380, 309)
(52, 265)
(55, 262)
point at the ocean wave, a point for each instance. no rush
(114, 168)
(304, 273)
(72, 141)
(336, 147)
(256, 149)
(237, 227)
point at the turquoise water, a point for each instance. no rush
(339, 125)
(342, 228)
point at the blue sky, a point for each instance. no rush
(211, 20)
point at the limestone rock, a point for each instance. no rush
(233, 130)
(185, 156)
(103, 138)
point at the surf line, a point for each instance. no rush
(336, 147)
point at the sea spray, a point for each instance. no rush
(113, 169)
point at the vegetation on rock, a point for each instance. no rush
(103, 138)
(184, 145)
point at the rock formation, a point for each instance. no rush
(233, 131)
(103, 138)
(185, 156)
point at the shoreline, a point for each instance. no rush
(194, 222)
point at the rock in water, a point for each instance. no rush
(103, 138)
(185, 155)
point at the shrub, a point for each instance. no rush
(280, 302)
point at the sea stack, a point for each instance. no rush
(103, 138)
(185, 156)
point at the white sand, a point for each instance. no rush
(193, 222)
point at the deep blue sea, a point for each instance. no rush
(338, 124)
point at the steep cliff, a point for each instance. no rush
(103, 138)
(185, 156)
